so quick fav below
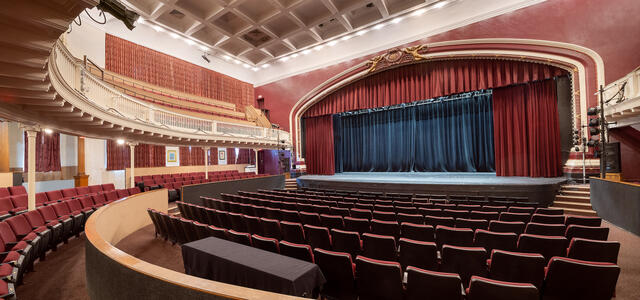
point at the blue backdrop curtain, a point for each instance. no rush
(453, 134)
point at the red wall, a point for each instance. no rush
(611, 28)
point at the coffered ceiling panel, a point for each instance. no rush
(260, 31)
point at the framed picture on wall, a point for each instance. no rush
(172, 156)
(222, 155)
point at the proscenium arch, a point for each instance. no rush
(585, 66)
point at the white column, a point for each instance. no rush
(206, 162)
(31, 175)
(132, 148)
(255, 151)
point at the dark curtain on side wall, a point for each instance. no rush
(444, 135)
(213, 156)
(117, 156)
(319, 156)
(47, 152)
(231, 156)
(148, 156)
(527, 138)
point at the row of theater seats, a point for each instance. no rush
(173, 182)
(420, 256)
(26, 236)
(186, 107)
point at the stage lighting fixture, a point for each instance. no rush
(577, 149)
(120, 12)
(204, 56)
(594, 131)
(594, 122)
(593, 111)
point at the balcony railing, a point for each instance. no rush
(110, 100)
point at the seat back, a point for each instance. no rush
(271, 228)
(6, 204)
(545, 229)
(108, 187)
(338, 270)
(490, 240)
(481, 288)
(517, 267)
(360, 225)
(20, 201)
(504, 226)
(48, 213)
(17, 190)
(74, 205)
(484, 215)
(391, 228)
(424, 284)
(122, 193)
(4, 192)
(548, 219)
(41, 198)
(34, 218)
(423, 255)
(265, 243)
(82, 190)
(377, 279)
(346, 241)
(417, 232)
(466, 261)
(473, 224)
(594, 250)
(295, 250)
(515, 217)
(568, 278)
(379, 246)
(587, 232)
(453, 236)
(19, 225)
(292, 232)
(318, 237)
(309, 218)
(54, 195)
(550, 211)
(437, 221)
(95, 188)
(548, 246)
(332, 221)
(584, 221)
(61, 209)
(239, 237)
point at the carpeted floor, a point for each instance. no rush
(62, 274)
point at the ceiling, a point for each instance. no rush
(257, 32)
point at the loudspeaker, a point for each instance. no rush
(613, 157)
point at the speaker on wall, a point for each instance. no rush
(613, 157)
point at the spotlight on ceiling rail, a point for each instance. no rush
(120, 12)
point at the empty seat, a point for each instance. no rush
(410, 218)
(547, 219)
(434, 212)
(423, 255)
(594, 250)
(108, 187)
(568, 278)
(515, 217)
(49, 215)
(484, 215)
(384, 216)
(378, 280)
(24, 231)
(220, 233)
(237, 222)
(504, 226)
(391, 228)
(417, 232)
(346, 241)
(265, 243)
(456, 214)
(36, 220)
(271, 228)
(122, 193)
(310, 218)
(339, 271)
(520, 209)
(453, 236)
(253, 225)
(239, 237)
(299, 251)
(550, 211)
(20, 202)
(423, 284)
(95, 189)
(472, 224)
(68, 193)
(584, 221)
(493, 208)
(359, 225)
(62, 211)
(17, 190)
(292, 232)
(545, 229)
(361, 213)
(517, 267)
(318, 237)
(332, 221)
(548, 246)
(379, 247)
(466, 261)
(435, 221)
(587, 232)
(490, 240)
(481, 288)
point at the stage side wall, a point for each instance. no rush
(617, 202)
(192, 193)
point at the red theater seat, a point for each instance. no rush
(418, 254)
(346, 241)
(466, 261)
(490, 240)
(17, 190)
(594, 250)
(418, 232)
(55, 196)
(265, 243)
(548, 246)
(453, 236)
(481, 288)
(517, 267)
(568, 278)
(379, 247)
(378, 279)
(339, 271)
(292, 232)
(298, 251)
(424, 284)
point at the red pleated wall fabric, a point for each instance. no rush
(185, 156)
(47, 152)
(118, 157)
(213, 156)
(231, 156)
(428, 80)
(526, 132)
(319, 156)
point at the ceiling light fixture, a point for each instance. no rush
(120, 142)
(226, 57)
(397, 20)
(346, 37)
(294, 55)
(318, 48)
(362, 32)
(157, 28)
(441, 4)
(174, 35)
(246, 66)
(332, 43)
(48, 131)
(283, 59)
(237, 62)
(189, 42)
(203, 48)
(379, 26)
(265, 66)
(307, 51)
(418, 12)
(255, 69)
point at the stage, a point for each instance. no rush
(541, 190)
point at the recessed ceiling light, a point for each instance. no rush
(226, 57)
(346, 37)
(157, 28)
(120, 142)
(332, 43)
(318, 48)
(440, 4)
(362, 32)
(246, 66)
(379, 26)
(294, 55)
(203, 48)
(174, 35)
(140, 20)
(189, 42)
(307, 51)
(237, 62)
(48, 131)
(285, 58)
(396, 20)
(265, 66)
(419, 12)
(255, 69)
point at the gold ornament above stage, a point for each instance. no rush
(397, 57)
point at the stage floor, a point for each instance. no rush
(433, 178)
(542, 190)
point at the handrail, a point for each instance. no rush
(111, 100)
(86, 59)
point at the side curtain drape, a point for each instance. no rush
(47, 152)
(197, 156)
(148, 156)
(430, 136)
(527, 138)
(141, 63)
(245, 156)
(185, 156)
(212, 156)
(430, 80)
(319, 156)
(118, 157)
(231, 156)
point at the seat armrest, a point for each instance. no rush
(10, 244)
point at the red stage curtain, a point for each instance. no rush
(231, 156)
(319, 155)
(118, 157)
(47, 152)
(526, 133)
(144, 64)
(213, 156)
(428, 80)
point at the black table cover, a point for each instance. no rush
(229, 262)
